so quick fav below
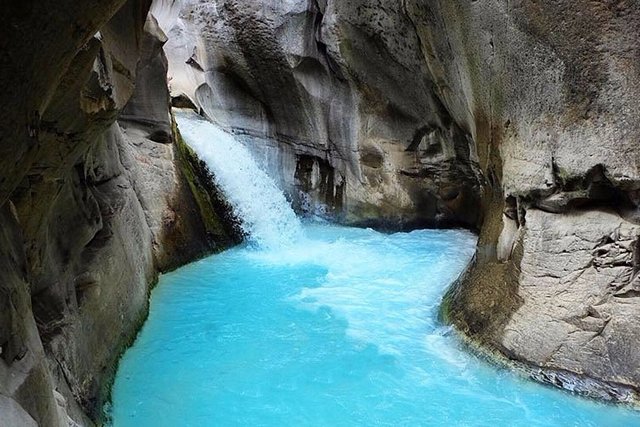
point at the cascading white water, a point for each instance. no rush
(265, 214)
(339, 328)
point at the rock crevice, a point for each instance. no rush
(518, 119)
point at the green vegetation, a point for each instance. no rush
(217, 216)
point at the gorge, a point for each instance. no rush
(317, 325)
(515, 119)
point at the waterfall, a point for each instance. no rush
(266, 216)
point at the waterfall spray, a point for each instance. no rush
(265, 214)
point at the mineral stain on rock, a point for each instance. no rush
(516, 119)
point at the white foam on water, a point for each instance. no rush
(266, 216)
(339, 328)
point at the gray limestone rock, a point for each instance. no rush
(518, 117)
(341, 85)
(93, 211)
(548, 92)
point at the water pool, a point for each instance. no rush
(339, 329)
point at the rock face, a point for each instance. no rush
(549, 93)
(91, 208)
(335, 97)
(521, 116)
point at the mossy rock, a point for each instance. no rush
(221, 225)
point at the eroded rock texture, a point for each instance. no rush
(520, 115)
(337, 99)
(550, 90)
(90, 208)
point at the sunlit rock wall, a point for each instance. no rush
(519, 115)
(335, 98)
(549, 93)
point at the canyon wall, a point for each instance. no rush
(549, 92)
(337, 101)
(91, 207)
(517, 117)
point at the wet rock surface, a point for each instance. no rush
(548, 90)
(516, 118)
(342, 84)
(92, 211)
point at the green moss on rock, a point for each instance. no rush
(221, 226)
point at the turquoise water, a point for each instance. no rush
(318, 326)
(338, 329)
